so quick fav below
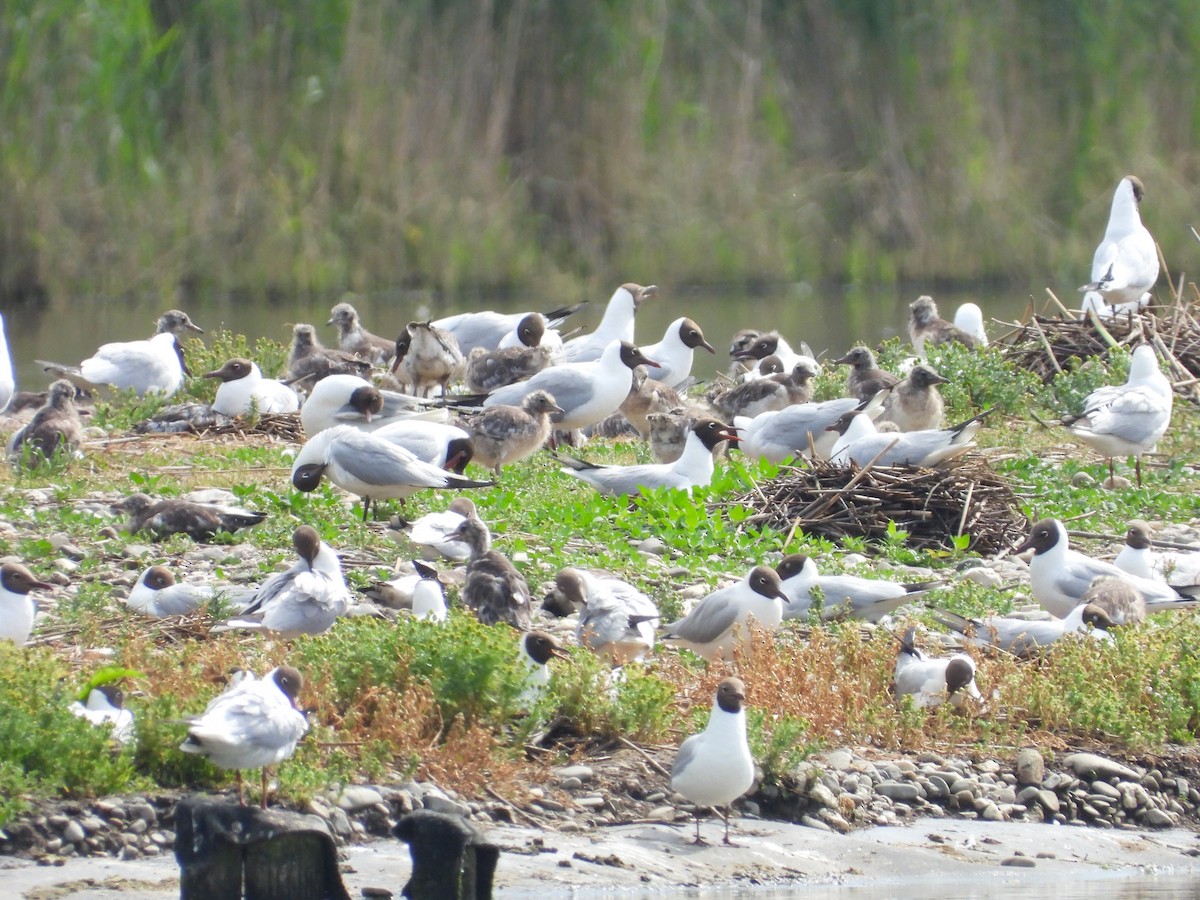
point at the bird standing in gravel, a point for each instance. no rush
(253, 724)
(493, 588)
(54, 431)
(714, 768)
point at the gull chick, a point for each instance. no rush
(925, 326)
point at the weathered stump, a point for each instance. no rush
(228, 852)
(451, 860)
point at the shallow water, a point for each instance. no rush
(829, 319)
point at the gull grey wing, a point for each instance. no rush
(685, 755)
(711, 618)
(373, 461)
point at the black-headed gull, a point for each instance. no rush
(1125, 265)
(244, 389)
(969, 317)
(778, 435)
(494, 588)
(352, 400)
(369, 466)
(774, 344)
(675, 351)
(1127, 419)
(714, 768)
(429, 357)
(866, 379)
(532, 333)
(861, 442)
(1026, 637)
(505, 434)
(1138, 557)
(159, 594)
(175, 515)
(587, 392)
(931, 682)
(535, 650)
(616, 620)
(55, 431)
(842, 595)
(305, 599)
(694, 468)
(253, 724)
(105, 705)
(616, 324)
(353, 338)
(721, 620)
(1060, 576)
(309, 360)
(487, 329)
(915, 404)
(428, 596)
(17, 609)
(432, 530)
(446, 446)
(925, 326)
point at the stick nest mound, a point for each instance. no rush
(932, 505)
(1046, 345)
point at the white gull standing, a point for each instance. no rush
(428, 596)
(253, 724)
(1125, 264)
(675, 351)
(369, 466)
(1127, 419)
(714, 768)
(616, 324)
(17, 609)
(587, 392)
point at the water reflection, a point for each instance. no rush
(830, 319)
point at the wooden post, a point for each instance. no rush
(229, 852)
(451, 860)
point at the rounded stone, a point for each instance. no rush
(1030, 767)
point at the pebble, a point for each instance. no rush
(73, 833)
(1092, 765)
(353, 798)
(985, 577)
(583, 773)
(1030, 767)
(822, 795)
(905, 792)
(1021, 862)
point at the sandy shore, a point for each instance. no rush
(940, 857)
